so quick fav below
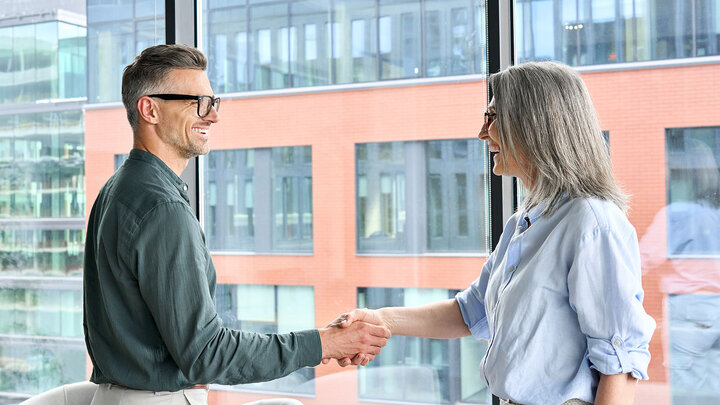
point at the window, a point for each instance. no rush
(412, 369)
(259, 200)
(269, 309)
(593, 32)
(447, 192)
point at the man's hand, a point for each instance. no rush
(348, 319)
(342, 340)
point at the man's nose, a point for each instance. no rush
(214, 116)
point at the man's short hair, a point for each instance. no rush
(147, 73)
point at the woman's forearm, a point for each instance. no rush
(618, 389)
(439, 320)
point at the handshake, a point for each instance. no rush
(354, 338)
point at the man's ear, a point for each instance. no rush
(148, 110)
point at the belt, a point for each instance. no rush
(194, 387)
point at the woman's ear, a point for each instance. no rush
(148, 110)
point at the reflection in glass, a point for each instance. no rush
(228, 217)
(694, 348)
(271, 53)
(354, 36)
(227, 49)
(259, 200)
(693, 210)
(588, 32)
(452, 183)
(412, 369)
(399, 34)
(292, 199)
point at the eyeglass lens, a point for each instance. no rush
(205, 103)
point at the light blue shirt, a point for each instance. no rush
(560, 301)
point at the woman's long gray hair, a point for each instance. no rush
(547, 123)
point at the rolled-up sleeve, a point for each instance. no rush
(605, 290)
(472, 305)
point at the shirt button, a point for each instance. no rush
(185, 187)
(511, 268)
(617, 342)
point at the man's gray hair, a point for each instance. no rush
(546, 119)
(147, 73)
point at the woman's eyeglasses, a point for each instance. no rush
(204, 103)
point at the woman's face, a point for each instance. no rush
(490, 134)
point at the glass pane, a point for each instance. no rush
(43, 57)
(230, 214)
(228, 48)
(311, 65)
(292, 199)
(270, 46)
(447, 173)
(354, 36)
(399, 33)
(593, 32)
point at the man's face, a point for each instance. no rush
(180, 127)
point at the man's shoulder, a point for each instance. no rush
(142, 189)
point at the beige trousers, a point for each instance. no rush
(109, 394)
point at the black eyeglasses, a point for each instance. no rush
(204, 103)
(489, 118)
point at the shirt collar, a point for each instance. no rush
(137, 154)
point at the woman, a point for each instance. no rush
(560, 298)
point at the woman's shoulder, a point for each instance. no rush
(596, 214)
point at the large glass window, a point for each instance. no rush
(259, 200)
(412, 369)
(593, 32)
(432, 188)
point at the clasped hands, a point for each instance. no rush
(354, 338)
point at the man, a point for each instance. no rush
(151, 327)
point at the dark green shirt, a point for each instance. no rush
(149, 294)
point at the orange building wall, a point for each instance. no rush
(636, 106)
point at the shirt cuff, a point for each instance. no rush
(309, 347)
(613, 356)
(474, 317)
